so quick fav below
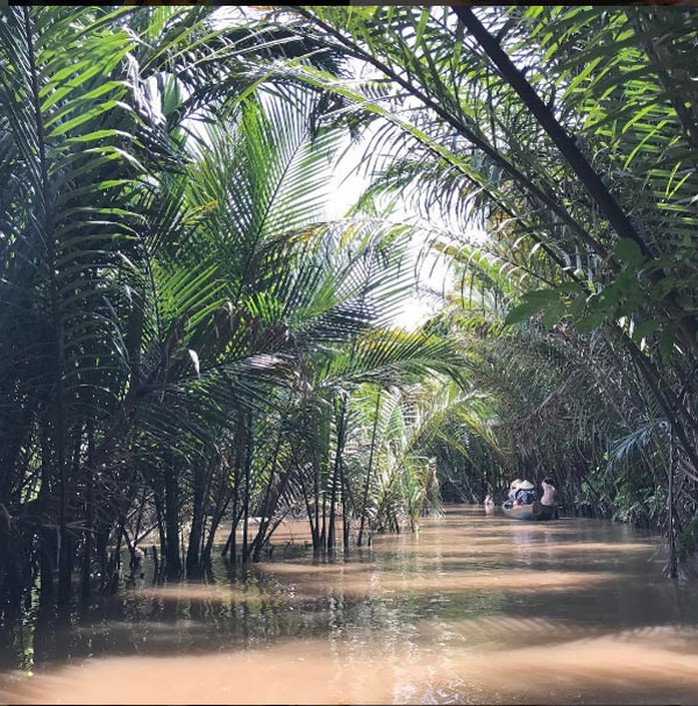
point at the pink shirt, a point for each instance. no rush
(549, 494)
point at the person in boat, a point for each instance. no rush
(489, 503)
(526, 493)
(549, 496)
(513, 488)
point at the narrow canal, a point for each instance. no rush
(473, 609)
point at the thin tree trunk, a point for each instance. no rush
(156, 565)
(160, 516)
(331, 520)
(314, 534)
(316, 493)
(221, 507)
(336, 473)
(172, 559)
(367, 485)
(249, 441)
(346, 522)
(139, 520)
(102, 540)
(231, 541)
(268, 507)
(196, 523)
(130, 545)
(89, 530)
(47, 544)
(47, 535)
(324, 535)
(112, 577)
(672, 568)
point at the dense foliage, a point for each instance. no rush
(568, 135)
(189, 342)
(184, 331)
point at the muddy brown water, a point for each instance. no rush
(471, 610)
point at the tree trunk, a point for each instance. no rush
(270, 501)
(221, 506)
(248, 469)
(314, 534)
(367, 485)
(172, 558)
(316, 496)
(672, 569)
(47, 534)
(47, 564)
(197, 521)
(160, 515)
(90, 514)
(338, 474)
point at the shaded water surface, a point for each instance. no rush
(473, 609)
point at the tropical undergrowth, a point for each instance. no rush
(191, 349)
(568, 136)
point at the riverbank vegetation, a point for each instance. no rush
(190, 345)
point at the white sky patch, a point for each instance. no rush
(345, 189)
(433, 273)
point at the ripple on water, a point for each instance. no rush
(471, 610)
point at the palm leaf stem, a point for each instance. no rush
(587, 175)
(44, 190)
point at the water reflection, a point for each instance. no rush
(474, 609)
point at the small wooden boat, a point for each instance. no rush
(535, 511)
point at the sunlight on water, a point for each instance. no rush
(193, 592)
(511, 580)
(473, 609)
